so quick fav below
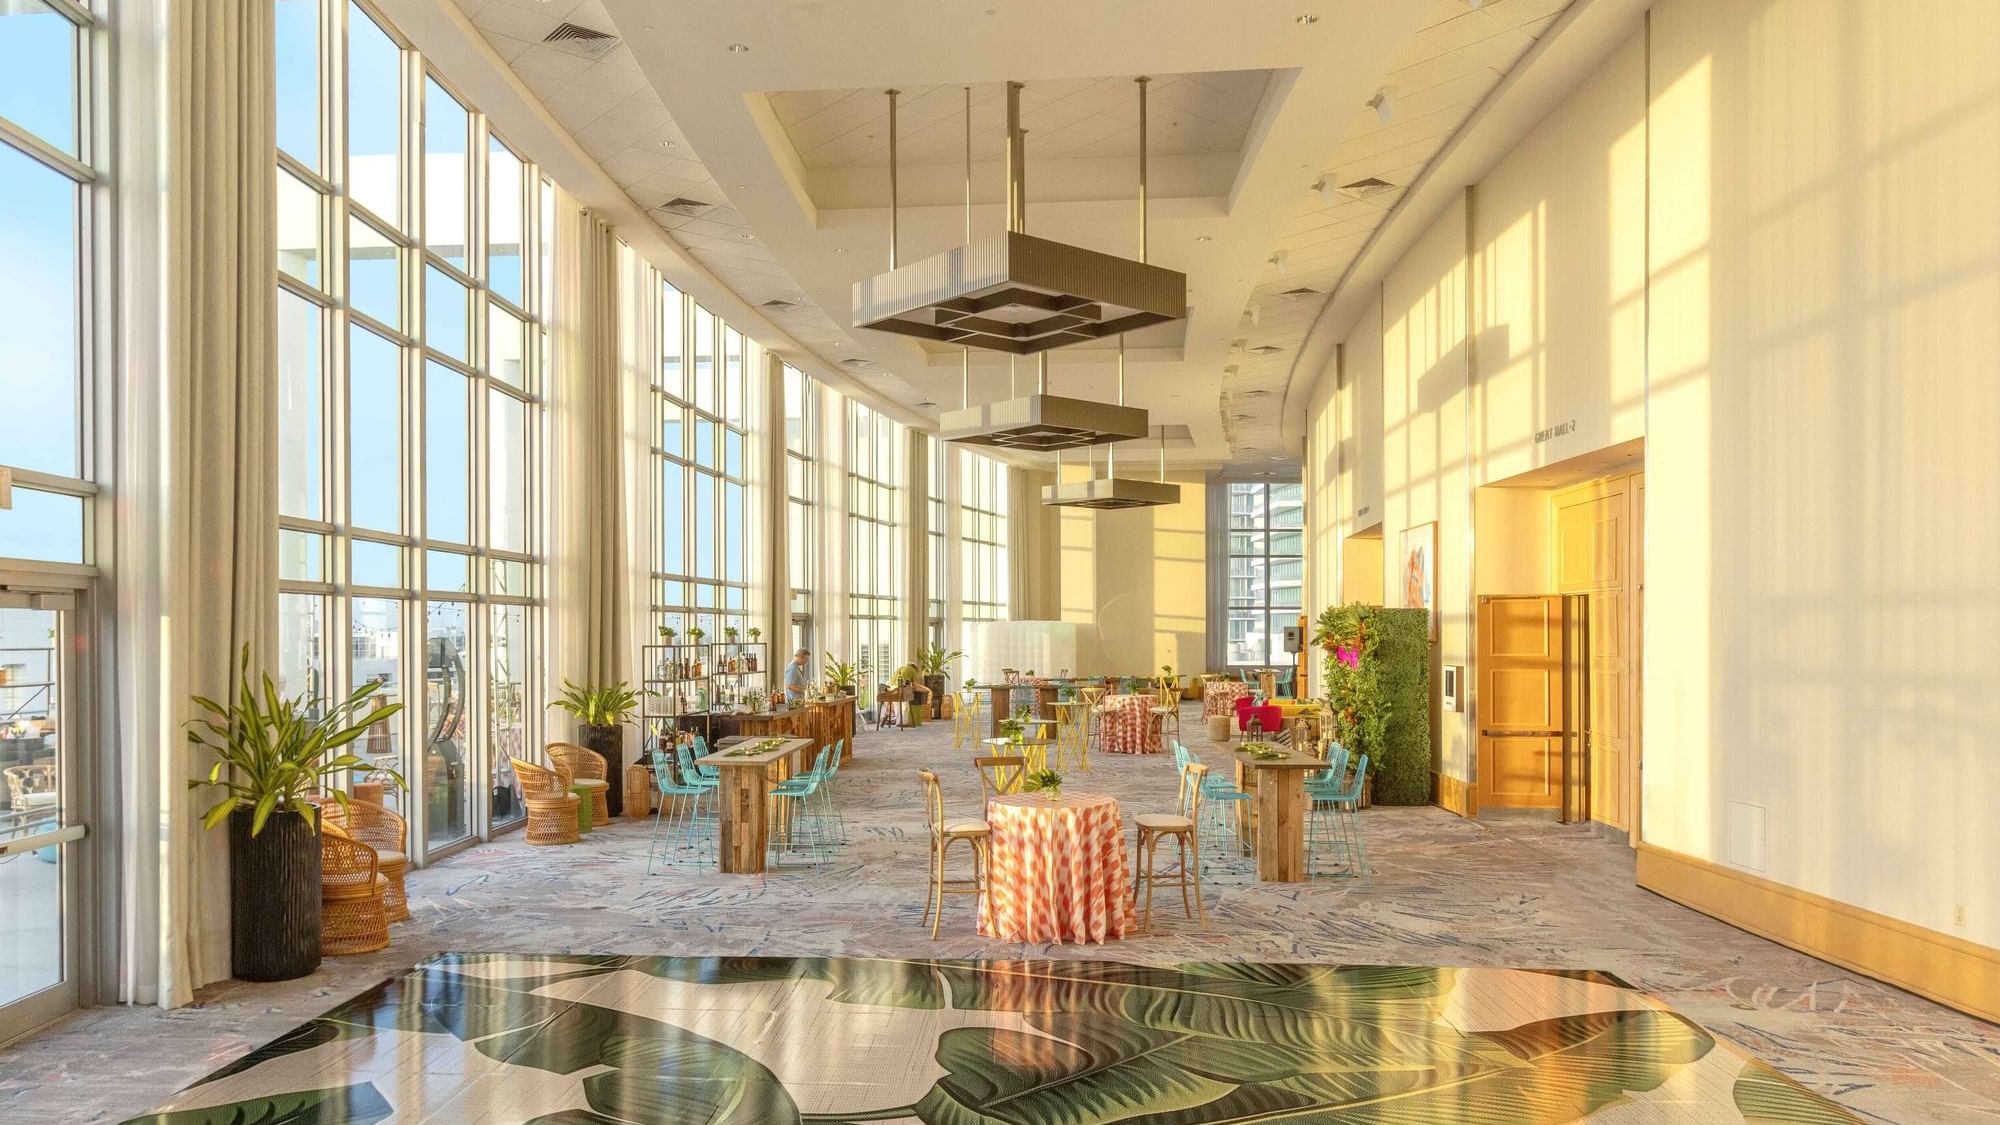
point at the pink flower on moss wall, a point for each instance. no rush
(1349, 656)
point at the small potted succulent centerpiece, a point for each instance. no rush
(1015, 726)
(756, 637)
(274, 756)
(1045, 781)
(601, 714)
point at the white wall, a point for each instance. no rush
(1823, 548)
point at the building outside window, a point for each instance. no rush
(874, 543)
(415, 272)
(1266, 569)
(705, 527)
(937, 570)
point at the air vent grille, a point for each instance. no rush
(1265, 349)
(1362, 189)
(584, 42)
(779, 305)
(1299, 293)
(683, 206)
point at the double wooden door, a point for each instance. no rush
(1534, 688)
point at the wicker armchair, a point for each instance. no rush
(384, 831)
(352, 916)
(24, 780)
(551, 806)
(585, 769)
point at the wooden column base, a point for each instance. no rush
(1281, 825)
(743, 822)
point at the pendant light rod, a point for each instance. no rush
(1143, 82)
(1017, 208)
(892, 176)
(1042, 373)
(1163, 455)
(965, 353)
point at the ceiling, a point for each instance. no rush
(774, 161)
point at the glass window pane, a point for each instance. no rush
(447, 572)
(301, 556)
(505, 334)
(301, 395)
(510, 578)
(672, 377)
(31, 883)
(38, 72)
(301, 245)
(507, 472)
(702, 530)
(38, 314)
(671, 428)
(732, 377)
(42, 526)
(295, 30)
(704, 359)
(673, 514)
(374, 273)
(302, 646)
(732, 453)
(507, 708)
(374, 117)
(445, 125)
(374, 429)
(504, 226)
(445, 315)
(732, 533)
(1287, 542)
(375, 653)
(447, 455)
(704, 444)
(545, 299)
(375, 564)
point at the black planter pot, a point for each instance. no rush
(609, 742)
(274, 921)
(936, 686)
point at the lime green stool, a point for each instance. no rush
(582, 807)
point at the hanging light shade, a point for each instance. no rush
(1043, 422)
(1110, 494)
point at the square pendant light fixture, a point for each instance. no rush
(1110, 494)
(1018, 294)
(1042, 422)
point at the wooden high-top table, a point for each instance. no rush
(745, 799)
(1278, 811)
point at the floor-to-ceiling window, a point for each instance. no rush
(801, 495)
(937, 568)
(1266, 569)
(982, 537)
(705, 531)
(875, 454)
(414, 279)
(53, 261)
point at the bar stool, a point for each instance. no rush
(1183, 826)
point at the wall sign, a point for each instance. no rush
(1363, 510)
(1560, 429)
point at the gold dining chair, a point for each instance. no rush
(967, 719)
(943, 834)
(1183, 826)
(1001, 775)
(1093, 700)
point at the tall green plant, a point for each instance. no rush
(935, 660)
(1352, 676)
(273, 752)
(839, 674)
(605, 706)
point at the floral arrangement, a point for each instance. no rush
(1353, 683)
(1047, 782)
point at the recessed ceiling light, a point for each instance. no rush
(1309, 19)
(840, 249)
(1203, 238)
(669, 144)
(739, 48)
(744, 235)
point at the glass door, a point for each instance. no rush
(40, 808)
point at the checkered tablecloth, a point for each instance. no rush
(1220, 696)
(1056, 870)
(1126, 725)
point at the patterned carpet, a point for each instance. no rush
(1497, 893)
(592, 1040)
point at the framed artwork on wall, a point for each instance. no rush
(1419, 571)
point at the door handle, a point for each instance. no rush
(1487, 732)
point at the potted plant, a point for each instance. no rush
(756, 637)
(668, 633)
(1015, 726)
(273, 755)
(840, 676)
(1045, 781)
(934, 662)
(601, 714)
(729, 634)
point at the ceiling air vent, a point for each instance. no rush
(584, 42)
(1300, 293)
(682, 205)
(1265, 349)
(1362, 189)
(856, 363)
(778, 305)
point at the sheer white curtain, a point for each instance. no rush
(197, 564)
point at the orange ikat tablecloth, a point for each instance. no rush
(1056, 870)
(1220, 696)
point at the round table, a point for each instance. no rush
(1126, 725)
(1056, 870)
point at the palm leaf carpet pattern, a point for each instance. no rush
(613, 1040)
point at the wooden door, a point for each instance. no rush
(1593, 549)
(1636, 802)
(1521, 702)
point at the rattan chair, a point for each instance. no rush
(551, 806)
(385, 832)
(943, 834)
(353, 918)
(1183, 827)
(25, 780)
(585, 769)
(1001, 775)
